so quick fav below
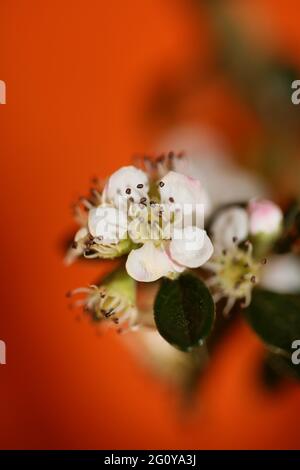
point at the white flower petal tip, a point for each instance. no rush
(191, 247)
(265, 217)
(231, 224)
(128, 182)
(148, 263)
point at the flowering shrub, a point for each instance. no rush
(163, 227)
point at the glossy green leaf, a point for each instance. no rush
(184, 311)
(275, 318)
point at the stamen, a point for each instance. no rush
(128, 191)
(140, 186)
(171, 199)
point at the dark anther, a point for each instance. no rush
(74, 245)
(128, 191)
(171, 199)
(140, 186)
(161, 184)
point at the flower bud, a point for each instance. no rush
(265, 218)
(265, 225)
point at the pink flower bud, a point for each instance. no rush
(265, 217)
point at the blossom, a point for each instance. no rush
(158, 223)
(187, 247)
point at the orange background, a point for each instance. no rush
(80, 76)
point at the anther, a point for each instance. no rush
(161, 184)
(264, 261)
(140, 186)
(128, 191)
(171, 199)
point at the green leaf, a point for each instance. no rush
(275, 318)
(184, 311)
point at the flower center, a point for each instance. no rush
(235, 274)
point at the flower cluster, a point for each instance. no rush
(155, 219)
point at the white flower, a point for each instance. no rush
(159, 223)
(265, 217)
(187, 246)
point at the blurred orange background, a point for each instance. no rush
(81, 78)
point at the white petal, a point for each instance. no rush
(108, 223)
(124, 184)
(187, 193)
(148, 263)
(82, 233)
(191, 247)
(229, 224)
(282, 274)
